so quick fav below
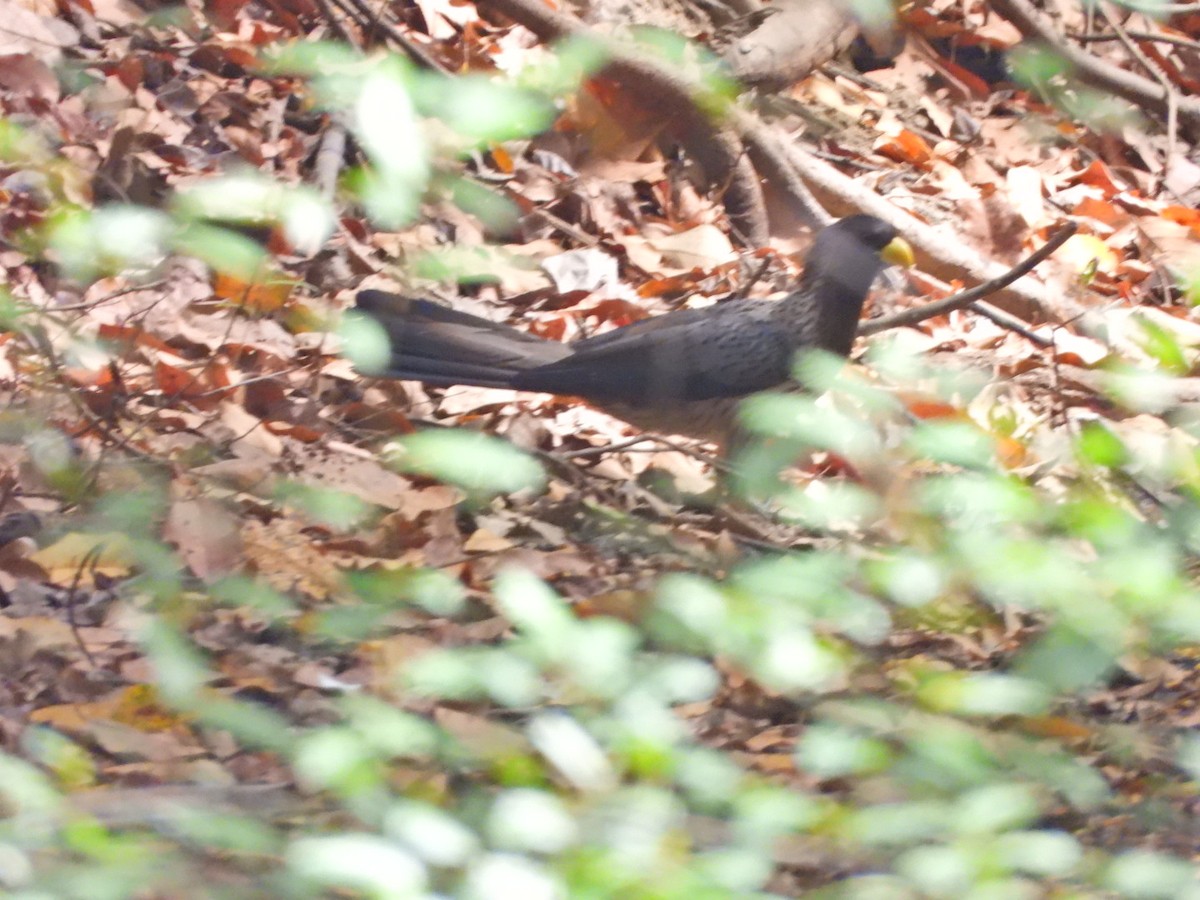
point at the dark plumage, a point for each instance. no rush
(678, 373)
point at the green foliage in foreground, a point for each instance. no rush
(593, 786)
(588, 782)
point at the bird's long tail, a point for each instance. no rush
(442, 347)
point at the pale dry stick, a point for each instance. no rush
(352, 13)
(576, 234)
(328, 164)
(939, 243)
(968, 297)
(1135, 88)
(770, 156)
(1167, 9)
(1169, 89)
(1138, 36)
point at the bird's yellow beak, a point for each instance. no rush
(898, 253)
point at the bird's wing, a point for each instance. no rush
(727, 351)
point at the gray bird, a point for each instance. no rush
(683, 372)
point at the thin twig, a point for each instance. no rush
(604, 448)
(839, 160)
(91, 558)
(576, 234)
(620, 445)
(1139, 36)
(755, 277)
(1011, 322)
(969, 296)
(335, 23)
(375, 21)
(41, 344)
(120, 292)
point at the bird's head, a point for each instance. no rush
(858, 241)
(844, 259)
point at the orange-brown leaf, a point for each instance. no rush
(904, 146)
(266, 295)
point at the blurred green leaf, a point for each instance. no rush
(476, 462)
(26, 789)
(1050, 853)
(898, 824)
(336, 758)
(712, 89)
(801, 418)
(940, 871)
(1162, 346)
(218, 832)
(224, 250)
(983, 694)
(498, 213)
(1189, 282)
(251, 724)
(830, 506)
(338, 510)
(385, 122)
(531, 821)
(1147, 874)
(574, 59)
(479, 264)
(364, 342)
(110, 239)
(830, 751)
(1063, 659)
(432, 834)
(572, 750)
(71, 765)
(959, 443)
(599, 656)
(434, 591)
(318, 60)
(486, 110)
(11, 312)
(472, 674)
(360, 861)
(248, 197)
(243, 591)
(495, 875)
(995, 808)
(909, 579)
(389, 731)
(1033, 65)
(21, 145)
(180, 672)
(793, 658)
